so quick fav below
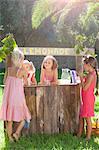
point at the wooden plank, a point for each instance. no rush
(60, 120)
(40, 109)
(78, 98)
(74, 110)
(31, 103)
(50, 110)
(66, 108)
(54, 109)
(47, 109)
(77, 107)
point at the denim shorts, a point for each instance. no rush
(27, 124)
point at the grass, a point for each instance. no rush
(50, 142)
(54, 142)
(2, 139)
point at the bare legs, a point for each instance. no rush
(18, 130)
(89, 128)
(81, 127)
(9, 130)
(16, 135)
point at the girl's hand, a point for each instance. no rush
(34, 82)
(54, 83)
(42, 76)
(40, 83)
(80, 74)
(86, 84)
(55, 77)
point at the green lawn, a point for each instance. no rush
(50, 142)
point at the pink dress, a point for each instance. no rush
(48, 79)
(14, 106)
(88, 99)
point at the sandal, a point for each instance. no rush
(87, 139)
(16, 136)
(11, 139)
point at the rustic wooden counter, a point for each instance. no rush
(54, 109)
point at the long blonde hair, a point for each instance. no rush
(30, 64)
(17, 57)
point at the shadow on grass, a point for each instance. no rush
(53, 142)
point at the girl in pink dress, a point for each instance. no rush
(14, 107)
(88, 98)
(49, 74)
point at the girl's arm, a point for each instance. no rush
(42, 77)
(5, 77)
(23, 75)
(55, 77)
(86, 85)
(34, 80)
(20, 73)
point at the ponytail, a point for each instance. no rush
(94, 64)
(96, 93)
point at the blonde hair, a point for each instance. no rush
(31, 65)
(17, 57)
(55, 64)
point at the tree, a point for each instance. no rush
(16, 19)
(69, 18)
(44, 8)
(50, 22)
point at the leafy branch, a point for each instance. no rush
(8, 45)
(41, 10)
(92, 9)
(80, 41)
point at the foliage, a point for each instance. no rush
(68, 17)
(9, 44)
(41, 10)
(91, 10)
(44, 8)
(80, 39)
(48, 22)
(54, 142)
(16, 19)
(80, 44)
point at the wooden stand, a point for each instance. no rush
(54, 109)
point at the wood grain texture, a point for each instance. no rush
(54, 109)
(30, 95)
